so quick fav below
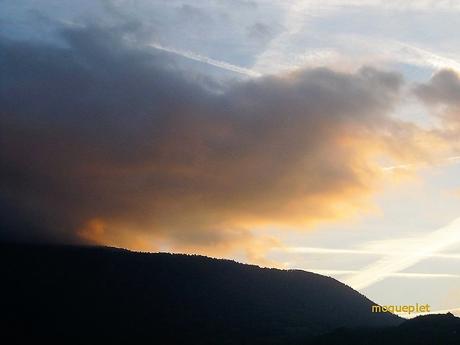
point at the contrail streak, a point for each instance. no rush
(444, 161)
(204, 59)
(316, 250)
(427, 245)
(422, 56)
(395, 274)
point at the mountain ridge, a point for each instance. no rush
(120, 294)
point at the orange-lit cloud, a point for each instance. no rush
(104, 142)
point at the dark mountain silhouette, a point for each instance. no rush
(86, 293)
(440, 329)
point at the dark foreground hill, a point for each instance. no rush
(441, 329)
(88, 293)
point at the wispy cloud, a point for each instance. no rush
(385, 4)
(387, 251)
(410, 253)
(414, 275)
(444, 161)
(282, 53)
(420, 56)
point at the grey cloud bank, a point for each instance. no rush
(103, 129)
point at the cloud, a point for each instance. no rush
(380, 248)
(418, 56)
(441, 96)
(408, 275)
(443, 88)
(106, 140)
(393, 5)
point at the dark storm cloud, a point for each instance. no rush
(104, 140)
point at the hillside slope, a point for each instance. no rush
(81, 292)
(423, 330)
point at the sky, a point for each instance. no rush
(314, 135)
